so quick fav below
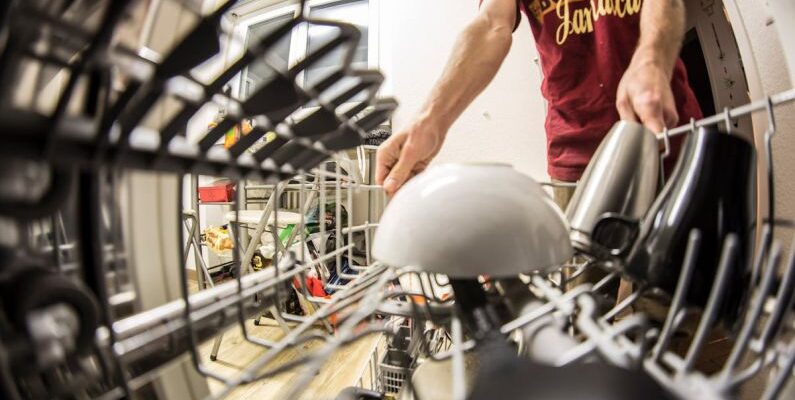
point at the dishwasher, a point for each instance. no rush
(98, 302)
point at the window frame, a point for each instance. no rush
(257, 11)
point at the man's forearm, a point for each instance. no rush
(662, 27)
(475, 60)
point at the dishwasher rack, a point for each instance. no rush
(763, 348)
(75, 322)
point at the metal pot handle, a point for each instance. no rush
(614, 234)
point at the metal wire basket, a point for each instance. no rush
(392, 378)
(119, 110)
(397, 361)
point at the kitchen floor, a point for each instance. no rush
(340, 371)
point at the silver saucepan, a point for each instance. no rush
(621, 178)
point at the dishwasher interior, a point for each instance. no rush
(100, 218)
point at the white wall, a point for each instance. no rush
(505, 124)
(786, 9)
(766, 69)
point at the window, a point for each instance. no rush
(306, 39)
(354, 12)
(258, 72)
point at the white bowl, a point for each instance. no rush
(465, 220)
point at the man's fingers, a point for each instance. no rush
(654, 123)
(644, 94)
(650, 113)
(383, 163)
(625, 111)
(401, 171)
(385, 158)
(671, 116)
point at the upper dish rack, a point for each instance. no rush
(79, 112)
(99, 115)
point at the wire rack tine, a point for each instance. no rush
(305, 204)
(338, 222)
(187, 310)
(424, 279)
(113, 14)
(783, 376)
(727, 121)
(783, 302)
(753, 314)
(771, 188)
(717, 292)
(598, 286)
(321, 211)
(350, 219)
(565, 300)
(602, 339)
(682, 287)
(459, 384)
(586, 322)
(765, 241)
(271, 207)
(280, 251)
(119, 372)
(623, 305)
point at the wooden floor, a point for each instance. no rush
(341, 370)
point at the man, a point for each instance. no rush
(603, 60)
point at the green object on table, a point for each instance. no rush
(285, 233)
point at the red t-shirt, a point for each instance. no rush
(584, 47)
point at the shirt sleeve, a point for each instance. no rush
(518, 14)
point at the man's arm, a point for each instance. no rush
(644, 93)
(479, 51)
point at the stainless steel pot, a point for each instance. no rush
(621, 178)
(712, 190)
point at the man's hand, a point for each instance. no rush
(407, 154)
(644, 95)
(476, 57)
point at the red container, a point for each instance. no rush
(217, 193)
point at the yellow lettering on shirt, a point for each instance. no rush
(565, 22)
(581, 21)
